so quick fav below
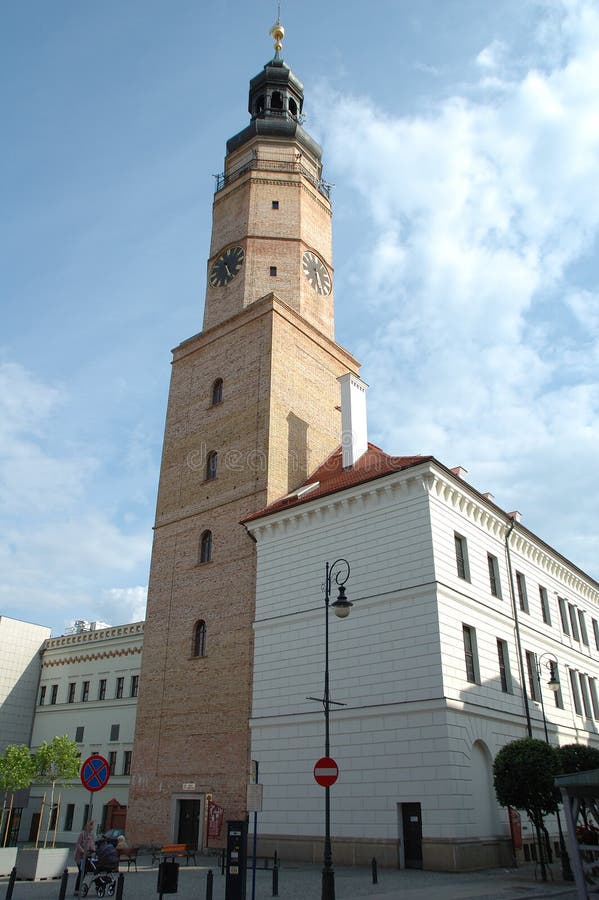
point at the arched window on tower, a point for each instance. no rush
(276, 100)
(206, 547)
(199, 639)
(292, 106)
(211, 465)
(260, 105)
(217, 392)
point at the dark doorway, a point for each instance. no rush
(411, 815)
(189, 823)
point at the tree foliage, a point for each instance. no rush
(16, 768)
(523, 777)
(57, 761)
(578, 758)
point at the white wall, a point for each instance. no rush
(20, 645)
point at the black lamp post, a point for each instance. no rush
(554, 685)
(339, 573)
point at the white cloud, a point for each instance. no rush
(476, 215)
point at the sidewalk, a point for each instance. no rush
(302, 882)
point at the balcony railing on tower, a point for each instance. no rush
(279, 165)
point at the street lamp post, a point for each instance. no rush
(339, 573)
(554, 685)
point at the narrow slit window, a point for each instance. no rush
(211, 465)
(217, 392)
(206, 547)
(199, 639)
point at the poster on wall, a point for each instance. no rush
(215, 819)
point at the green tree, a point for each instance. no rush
(523, 777)
(16, 773)
(57, 762)
(579, 758)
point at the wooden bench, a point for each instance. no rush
(173, 851)
(129, 856)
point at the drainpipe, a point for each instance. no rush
(517, 625)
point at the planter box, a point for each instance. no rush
(33, 865)
(8, 859)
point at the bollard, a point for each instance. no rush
(11, 883)
(63, 885)
(375, 874)
(209, 881)
(275, 881)
(276, 859)
(120, 885)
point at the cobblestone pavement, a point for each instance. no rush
(302, 882)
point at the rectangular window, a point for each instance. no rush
(461, 557)
(575, 692)
(85, 692)
(533, 677)
(112, 761)
(586, 697)
(574, 622)
(469, 635)
(563, 614)
(494, 582)
(114, 732)
(42, 694)
(134, 686)
(583, 628)
(273, 271)
(275, 204)
(545, 612)
(127, 762)
(120, 685)
(79, 734)
(594, 697)
(558, 696)
(596, 633)
(504, 666)
(522, 595)
(71, 692)
(102, 689)
(53, 694)
(69, 816)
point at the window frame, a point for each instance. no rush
(470, 654)
(71, 691)
(42, 699)
(494, 577)
(211, 466)
(127, 756)
(545, 609)
(575, 690)
(198, 647)
(205, 554)
(563, 614)
(84, 691)
(503, 658)
(522, 592)
(574, 622)
(461, 556)
(115, 731)
(217, 392)
(102, 684)
(120, 687)
(134, 686)
(534, 687)
(112, 760)
(79, 733)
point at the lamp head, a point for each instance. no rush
(342, 605)
(553, 684)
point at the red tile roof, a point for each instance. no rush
(332, 477)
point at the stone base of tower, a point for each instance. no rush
(439, 855)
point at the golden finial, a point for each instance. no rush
(278, 33)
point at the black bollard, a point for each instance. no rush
(375, 874)
(63, 885)
(276, 860)
(120, 885)
(11, 883)
(275, 881)
(209, 881)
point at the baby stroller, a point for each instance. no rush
(103, 881)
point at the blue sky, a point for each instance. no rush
(462, 137)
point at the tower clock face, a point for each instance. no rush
(317, 273)
(226, 266)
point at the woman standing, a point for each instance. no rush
(84, 848)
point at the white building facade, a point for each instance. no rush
(88, 691)
(459, 612)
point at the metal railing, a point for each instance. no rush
(277, 165)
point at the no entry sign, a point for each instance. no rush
(326, 771)
(95, 773)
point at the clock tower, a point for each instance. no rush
(253, 408)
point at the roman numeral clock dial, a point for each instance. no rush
(226, 266)
(317, 273)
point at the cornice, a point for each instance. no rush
(90, 657)
(100, 634)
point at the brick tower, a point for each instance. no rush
(253, 408)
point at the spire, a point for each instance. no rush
(278, 33)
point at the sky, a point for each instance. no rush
(462, 140)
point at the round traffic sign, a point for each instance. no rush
(95, 773)
(326, 771)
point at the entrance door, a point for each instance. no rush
(189, 823)
(411, 815)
